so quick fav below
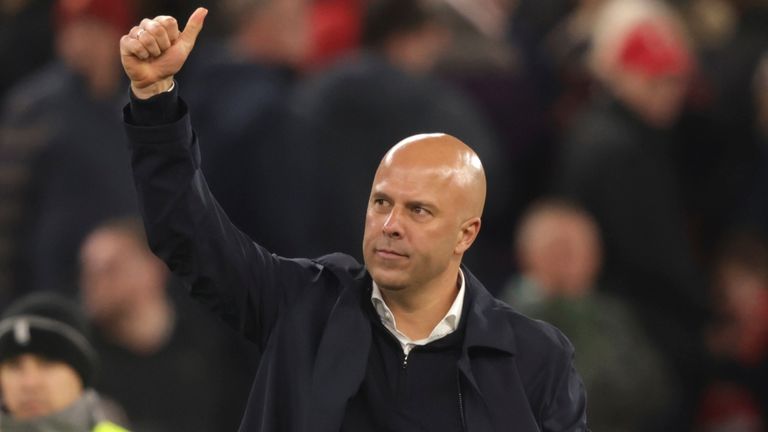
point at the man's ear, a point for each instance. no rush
(467, 235)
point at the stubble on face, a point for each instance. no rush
(426, 187)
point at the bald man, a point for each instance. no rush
(410, 341)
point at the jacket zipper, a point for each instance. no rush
(461, 405)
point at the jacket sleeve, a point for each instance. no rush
(233, 276)
(566, 407)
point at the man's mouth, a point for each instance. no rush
(32, 408)
(389, 253)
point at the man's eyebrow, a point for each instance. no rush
(418, 203)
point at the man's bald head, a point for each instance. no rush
(423, 213)
(448, 157)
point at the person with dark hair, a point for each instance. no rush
(409, 341)
(64, 168)
(616, 160)
(256, 67)
(385, 18)
(736, 392)
(155, 342)
(47, 367)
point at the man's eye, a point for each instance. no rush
(419, 211)
(46, 362)
(13, 363)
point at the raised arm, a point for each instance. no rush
(239, 280)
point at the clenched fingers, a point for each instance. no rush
(148, 39)
(171, 26)
(158, 31)
(129, 45)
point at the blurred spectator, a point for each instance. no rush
(238, 119)
(65, 161)
(478, 31)
(712, 22)
(721, 155)
(349, 115)
(567, 49)
(616, 162)
(729, 408)
(170, 365)
(47, 365)
(559, 252)
(335, 30)
(24, 51)
(530, 25)
(753, 208)
(737, 394)
(483, 63)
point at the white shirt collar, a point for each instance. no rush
(446, 326)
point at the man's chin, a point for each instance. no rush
(385, 279)
(33, 410)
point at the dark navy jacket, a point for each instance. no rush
(516, 374)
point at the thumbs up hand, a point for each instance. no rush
(155, 50)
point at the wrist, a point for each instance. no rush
(156, 88)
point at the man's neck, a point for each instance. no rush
(418, 311)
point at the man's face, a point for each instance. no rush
(412, 225)
(90, 47)
(561, 252)
(115, 270)
(658, 100)
(33, 386)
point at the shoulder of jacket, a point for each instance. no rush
(340, 264)
(535, 336)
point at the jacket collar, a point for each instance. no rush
(487, 324)
(343, 352)
(489, 333)
(341, 359)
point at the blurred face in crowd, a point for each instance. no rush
(741, 297)
(641, 52)
(90, 47)
(116, 272)
(33, 386)
(289, 20)
(418, 50)
(423, 212)
(657, 99)
(560, 250)
(743, 293)
(273, 30)
(761, 97)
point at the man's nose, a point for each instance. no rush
(392, 227)
(31, 375)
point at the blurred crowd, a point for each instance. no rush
(625, 144)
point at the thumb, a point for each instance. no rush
(193, 27)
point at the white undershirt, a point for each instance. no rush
(446, 326)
